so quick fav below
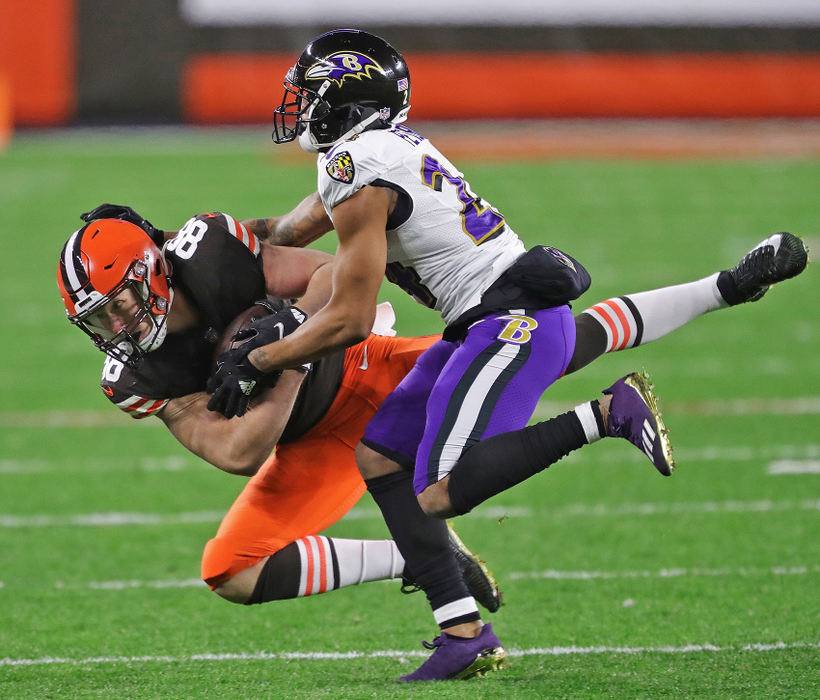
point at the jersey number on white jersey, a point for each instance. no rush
(479, 221)
(408, 279)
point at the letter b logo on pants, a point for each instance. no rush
(518, 329)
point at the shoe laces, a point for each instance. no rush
(760, 261)
(437, 642)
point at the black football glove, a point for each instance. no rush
(236, 380)
(120, 211)
(269, 329)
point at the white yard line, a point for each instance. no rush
(71, 419)
(806, 405)
(806, 455)
(744, 453)
(794, 466)
(125, 585)
(496, 513)
(59, 465)
(680, 572)
(110, 519)
(547, 574)
(399, 654)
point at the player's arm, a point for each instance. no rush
(240, 445)
(358, 269)
(298, 273)
(300, 226)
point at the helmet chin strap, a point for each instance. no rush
(160, 327)
(309, 143)
(155, 338)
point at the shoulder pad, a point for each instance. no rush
(134, 405)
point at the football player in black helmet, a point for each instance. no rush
(345, 82)
(456, 428)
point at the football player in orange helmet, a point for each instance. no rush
(158, 315)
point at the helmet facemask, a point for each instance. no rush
(299, 107)
(132, 341)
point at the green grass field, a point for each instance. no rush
(618, 583)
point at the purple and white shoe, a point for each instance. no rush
(634, 414)
(456, 658)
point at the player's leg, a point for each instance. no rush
(266, 547)
(385, 459)
(624, 322)
(476, 444)
(491, 385)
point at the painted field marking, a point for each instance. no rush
(126, 585)
(131, 584)
(805, 405)
(547, 574)
(794, 466)
(798, 406)
(112, 519)
(71, 419)
(398, 654)
(174, 463)
(737, 453)
(118, 519)
(682, 572)
(168, 463)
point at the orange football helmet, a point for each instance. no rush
(99, 265)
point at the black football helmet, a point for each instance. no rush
(345, 82)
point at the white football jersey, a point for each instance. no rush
(445, 245)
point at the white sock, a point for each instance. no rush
(591, 421)
(328, 563)
(637, 319)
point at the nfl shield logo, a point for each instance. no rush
(341, 168)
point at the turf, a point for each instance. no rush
(618, 583)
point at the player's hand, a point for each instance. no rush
(235, 382)
(269, 329)
(120, 211)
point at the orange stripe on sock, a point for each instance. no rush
(609, 322)
(322, 567)
(620, 314)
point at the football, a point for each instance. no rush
(242, 321)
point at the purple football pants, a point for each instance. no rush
(459, 393)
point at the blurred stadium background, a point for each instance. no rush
(654, 140)
(65, 62)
